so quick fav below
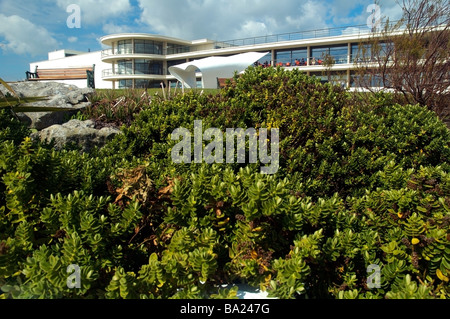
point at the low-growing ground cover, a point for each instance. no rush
(359, 207)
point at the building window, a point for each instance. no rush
(125, 84)
(156, 67)
(364, 52)
(125, 47)
(147, 47)
(177, 48)
(296, 57)
(339, 53)
(338, 78)
(124, 67)
(142, 66)
(175, 62)
(146, 84)
(366, 80)
(265, 60)
(142, 84)
(360, 52)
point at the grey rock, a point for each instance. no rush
(80, 133)
(58, 95)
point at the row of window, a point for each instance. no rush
(336, 78)
(152, 67)
(340, 78)
(334, 54)
(139, 46)
(141, 66)
(293, 57)
(339, 53)
(148, 47)
(138, 84)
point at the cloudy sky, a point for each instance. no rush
(29, 29)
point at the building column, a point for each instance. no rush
(348, 78)
(165, 68)
(308, 56)
(349, 53)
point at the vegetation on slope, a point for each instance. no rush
(361, 187)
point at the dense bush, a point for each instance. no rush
(360, 187)
(11, 128)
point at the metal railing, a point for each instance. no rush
(361, 29)
(252, 41)
(293, 36)
(110, 52)
(112, 72)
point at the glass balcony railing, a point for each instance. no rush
(112, 72)
(110, 52)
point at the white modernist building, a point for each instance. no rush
(135, 60)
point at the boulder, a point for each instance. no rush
(58, 95)
(76, 132)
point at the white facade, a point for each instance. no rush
(144, 60)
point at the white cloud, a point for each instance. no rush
(97, 11)
(354, 30)
(24, 37)
(111, 28)
(229, 19)
(72, 39)
(234, 19)
(390, 9)
(344, 12)
(253, 28)
(342, 9)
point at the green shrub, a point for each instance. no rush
(328, 143)
(11, 128)
(359, 187)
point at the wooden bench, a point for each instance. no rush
(59, 74)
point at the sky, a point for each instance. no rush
(29, 29)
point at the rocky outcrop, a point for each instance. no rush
(51, 126)
(75, 132)
(58, 95)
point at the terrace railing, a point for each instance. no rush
(295, 36)
(252, 41)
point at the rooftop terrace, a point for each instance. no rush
(296, 36)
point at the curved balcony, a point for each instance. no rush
(111, 55)
(113, 75)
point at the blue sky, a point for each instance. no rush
(29, 29)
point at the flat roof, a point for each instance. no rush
(109, 39)
(336, 35)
